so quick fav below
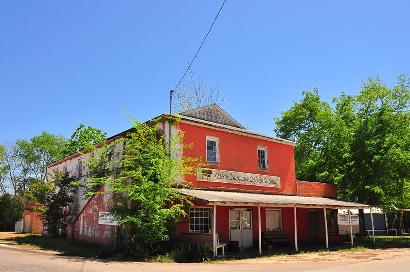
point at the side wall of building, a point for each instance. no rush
(86, 226)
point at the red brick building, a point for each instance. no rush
(32, 219)
(247, 193)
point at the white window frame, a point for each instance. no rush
(216, 140)
(280, 217)
(265, 149)
(210, 209)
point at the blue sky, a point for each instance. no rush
(67, 62)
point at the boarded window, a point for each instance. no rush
(274, 220)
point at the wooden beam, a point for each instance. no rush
(371, 220)
(351, 229)
(295, 228)
(260, 230)
(214, 233)
(326, 232)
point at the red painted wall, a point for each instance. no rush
(86, 226)
(319, 189)
(239, 153)
(304, 236)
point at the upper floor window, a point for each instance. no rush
(212, 149)
(262, 158)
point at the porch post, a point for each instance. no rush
(260, 229)
(350, 225)
(327, 235)
(295, 228)
(386, 222)
(371, 220)
(214, 232)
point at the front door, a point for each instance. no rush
(240, 223)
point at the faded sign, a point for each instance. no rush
(343, 219)
(106, 218)
(216, 175)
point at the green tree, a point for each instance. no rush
(34, 154)
(84, 138)
(11, 210)
(39, 191)
(56, 203)
(3, 169)
(140, 181)
(26, 160)
(381, 143)
(361, 143)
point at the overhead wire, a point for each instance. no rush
(200, 47)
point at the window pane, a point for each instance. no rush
(262, 161)
(199, 220)
(211, 151)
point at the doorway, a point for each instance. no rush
(27, 223)
(240, 224)
(313, 226)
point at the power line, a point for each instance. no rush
(200, 47)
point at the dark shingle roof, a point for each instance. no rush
(213, 113)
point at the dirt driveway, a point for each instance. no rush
(348, 257)
(12, 260)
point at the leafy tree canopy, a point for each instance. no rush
(361, 143)
(26, 161)
(84, 138)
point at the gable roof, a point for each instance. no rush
(213, 113)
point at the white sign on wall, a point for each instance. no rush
(343, 219)
(216, 175)
(106, 218)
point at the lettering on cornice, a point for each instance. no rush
(216, 175)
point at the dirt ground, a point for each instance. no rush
(353, 256)
(7, 235)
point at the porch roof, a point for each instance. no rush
(240, 198)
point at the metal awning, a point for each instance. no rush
(239, 198)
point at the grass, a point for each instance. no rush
(61, 245)
(390, 242)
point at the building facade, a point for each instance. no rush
(246, 195)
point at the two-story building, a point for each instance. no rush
(247, 193)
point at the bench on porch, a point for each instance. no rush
(270, 238)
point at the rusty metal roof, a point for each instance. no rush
(213, 113)
(239, 198)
